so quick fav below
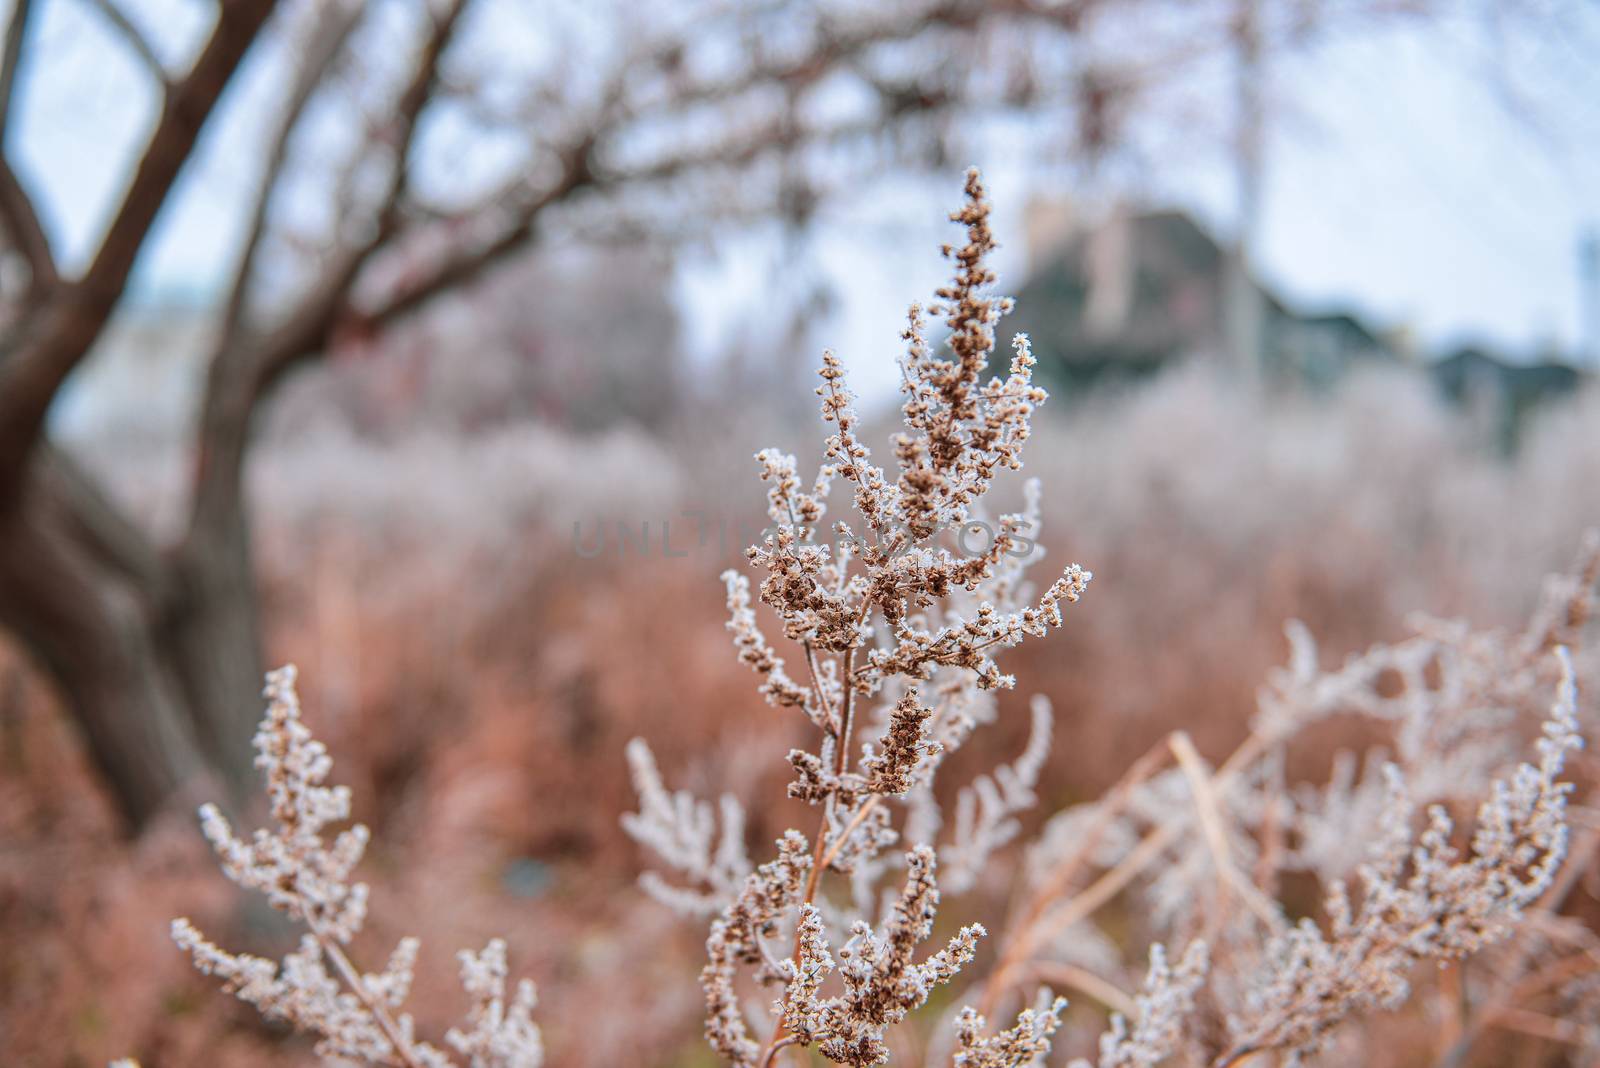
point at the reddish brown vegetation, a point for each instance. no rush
(483, 734)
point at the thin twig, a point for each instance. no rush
(778, 1044)
(135, 40)
(1072, 976)
(1061, 876)
(855, 821)
(1042, 923)
(1214, 831)
(352, 979)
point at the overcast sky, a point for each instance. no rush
(1399, 182)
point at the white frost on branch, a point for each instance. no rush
(683, 832)
(986, 811)
(1164, 1005)
(316, 988)
(1422, 898)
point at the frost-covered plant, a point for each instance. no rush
(356, 1016)
(1422, 898)
(987, 811)
(896, 608)
(1200, 851)
(1163, 1012)
(895, 623)
(683, 832)
(890, 613)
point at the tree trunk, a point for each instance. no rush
(158, 660)
(214, 640)
(91, 623)
(151, 654)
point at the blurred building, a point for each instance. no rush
(1500, 393)
(1122, 299)
(1127, 297)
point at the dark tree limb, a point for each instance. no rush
(16, 207)
(91, 629)
(78, 311)
(22, 223)
(246, 361)
(330, 28)
(11, 59)
(135, 39)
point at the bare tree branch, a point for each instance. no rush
(307, 330)
(244, 367)
(469, 264)
(581, 172)
(10, 58)
(16, 207)
(22, 222)
(330, 28)
(838, 43)
(78, 313)
(135, 40)
(407, 109)
(187, 109)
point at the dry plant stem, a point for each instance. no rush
(841, 758)
(1545, 978)
(829, 715)
(1205, 796)
(1515, 990)
(1102, 890)
(819, 857)
(1076, 909)
(1116, 800)
(1061, 975)
(1272, 847)
(347, 973)
(1454, 1004)
(1528, 1022)
(775, 1048)
(855, 821)
(1041, 923)
(1016, 952)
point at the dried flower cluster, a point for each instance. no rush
(890, 611)
(1163, 1011)
(1025, 1043)
(683, 833)
(895, 623)
(1422, 898)
(1202, 851)
(355, 1015)
(882, 981)
(891, 614)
